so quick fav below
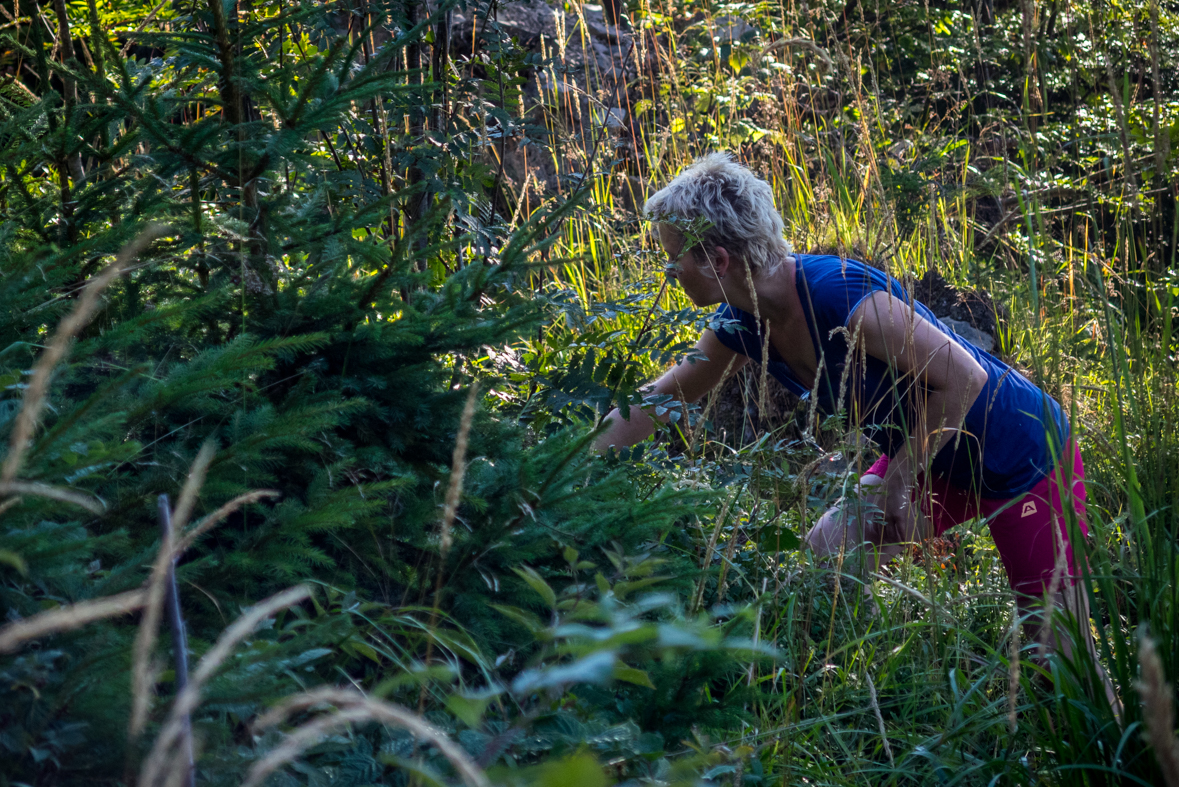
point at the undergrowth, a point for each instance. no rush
(338, 224)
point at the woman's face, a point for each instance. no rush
(695, 275)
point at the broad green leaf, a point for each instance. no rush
(632, 675)
(534, 580)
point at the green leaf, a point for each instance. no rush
(581, 770)
(603, 585)
(522, 616)
(364, 649)
(624, 588)
(534, 580)
(414, 677)
(469, 710)
(777, 539)
(16, 561)
(632, 675)
(594, 668)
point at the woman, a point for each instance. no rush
(962, 434)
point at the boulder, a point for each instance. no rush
(972, 314)
(524, 20)
(581, 45)
(983, 341)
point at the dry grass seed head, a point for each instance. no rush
(1157, 710)
(354, 708)
(458, 469)
(163, 750)
(33, 400)
(145, 638)
(68, 617)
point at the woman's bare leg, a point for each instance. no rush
(1038, 626)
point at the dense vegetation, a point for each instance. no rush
(353, 282)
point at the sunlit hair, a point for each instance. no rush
(737, 205)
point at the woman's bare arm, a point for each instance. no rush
(952, 380)
(687, 381)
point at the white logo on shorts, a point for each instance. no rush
(1029, 508)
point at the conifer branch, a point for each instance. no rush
(97, 44)
(227, 85)
(34, 396)
(139, 28)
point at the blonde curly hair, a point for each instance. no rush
(736, 206)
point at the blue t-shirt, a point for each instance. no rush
(1012, 435)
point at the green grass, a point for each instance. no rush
(919, 137)
(1090, 321)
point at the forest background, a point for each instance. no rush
(352, 283)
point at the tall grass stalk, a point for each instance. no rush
(951, 687)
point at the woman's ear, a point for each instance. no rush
(721, 261)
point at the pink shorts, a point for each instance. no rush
(1028, 530)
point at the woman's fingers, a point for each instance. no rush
(831, 534)
(901, 521)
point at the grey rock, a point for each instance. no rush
(527, 20)
(983, 341)
(730, 29)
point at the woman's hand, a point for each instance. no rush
(897, 503)
(903, 522)
(687, 381)
(858, 522)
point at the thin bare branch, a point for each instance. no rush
(149, 624)
(156, 766)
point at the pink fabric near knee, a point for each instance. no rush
(1029, 532)
(878, 467)
(1026, 530)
